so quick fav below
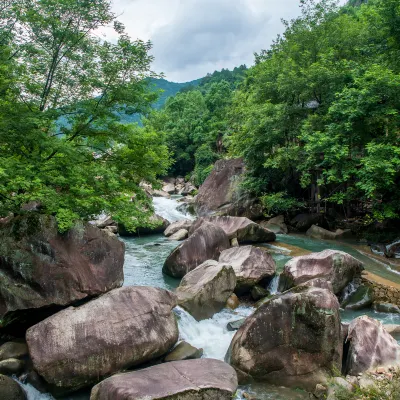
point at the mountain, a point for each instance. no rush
(169, 89)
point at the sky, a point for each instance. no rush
(193, 37)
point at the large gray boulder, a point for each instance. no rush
(178, 380)
(205, 244)
(276, 225)
(177, 226)
(10, 390)
(222, 194)
(251, 265)
(291, 340)
(40, 267)
(240, 228)
(124, 328)
(205, 290)
(335, 266)
(317, 232)
(368, 345)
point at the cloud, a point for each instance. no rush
(193, 37)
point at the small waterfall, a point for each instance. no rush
(211, 334)
(167, 208)
(33, 394)
(274, 284)
(348, 291)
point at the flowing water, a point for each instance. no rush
(144, 258)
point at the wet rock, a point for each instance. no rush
(177, 226)
(11, 366)
(303, 222)
(258, 293)
(123, 328)
(233, 302)
(179, 380)
(10, 390)
(182, 234)
(276, 225)
(13, 350)
(205, 290)
(189, 188)
(291, 340)
(244, 230)
(221, 193)
(205, 244)
(235, 325)
(386, 308)
(317, 232)
(361, 298)
(335, 266)
(159, 223)
(251, 265)
(184, 351)
(41, 267)
(368, 346)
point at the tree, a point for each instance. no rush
(61, 141)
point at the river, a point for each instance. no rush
(144, 258)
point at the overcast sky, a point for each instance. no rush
(193, 37)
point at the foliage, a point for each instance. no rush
(318, 115)
(54, 67)
(278, 203)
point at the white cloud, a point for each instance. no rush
(193, 37)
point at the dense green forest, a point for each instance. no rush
(316, 118)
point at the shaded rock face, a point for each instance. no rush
(205, 244)
(240, 228)
(303, 222)
(161, 224)
(317, 232)
(205, 290)
(368, 345)
(251, 265)
(291, 340)
(335, 266)
(10, 390)
(123, 328)
(184, 351)
(276, 225)
(177, 226)
(179, 380)
(221, 193)
(361, 298)
(40, 267)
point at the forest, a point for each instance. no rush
(316, 118)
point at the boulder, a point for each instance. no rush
(12, 366)
(160, 193)
(41, 267)
(386, 308)
(361, 298)
(276, 225)
(13, 350)
(189, 188)
(205, 290)
(182, 234)
(169, 188)
(251, 265)
(204, 244)
(244, 230)
(104, 222)
(367, 346)
(303, 222)
(235, 325)
(317, 232)
(184, 351)
(179, 380)
(290, 340)
(233, 302)
(258, 293)
(159, 223)
(222, 194)
(335, 266)
(177, 226)
(123, 328)
(10, 390)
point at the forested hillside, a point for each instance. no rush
(316, 118)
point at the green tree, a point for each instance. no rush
(61, 141)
